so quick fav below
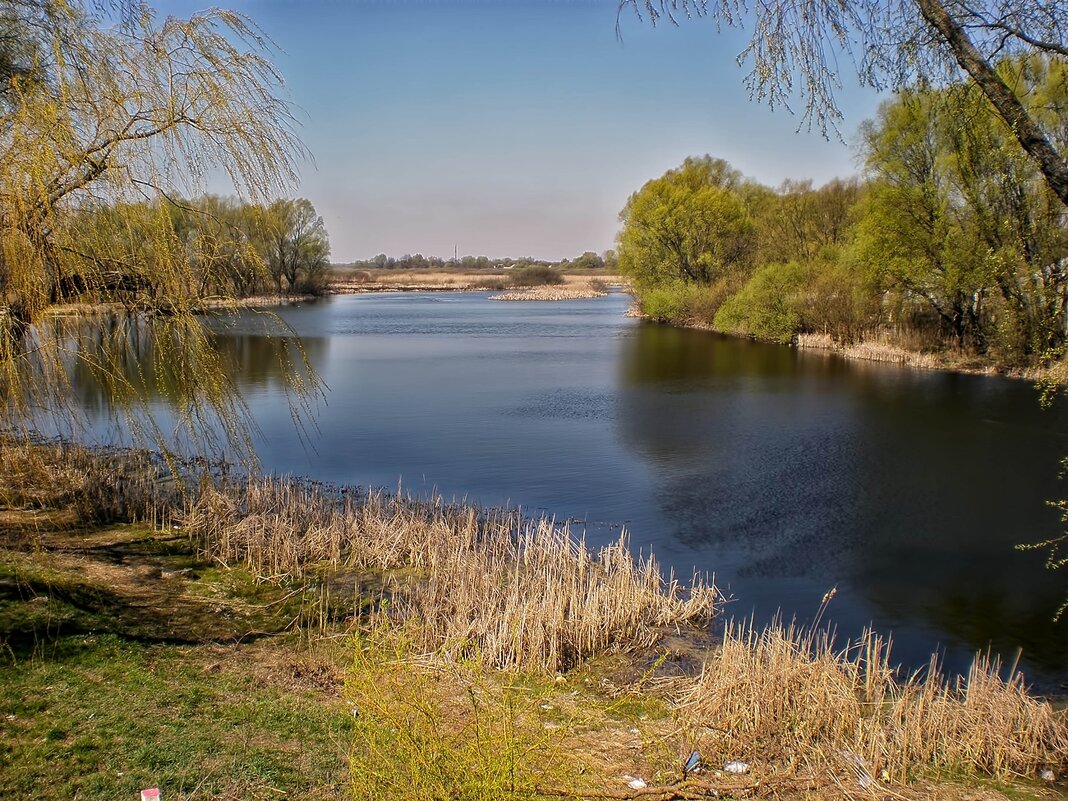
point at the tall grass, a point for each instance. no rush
(493, 586)
(542, 599)
(100, 485)
(876, 347)
(784, 695)
(505, 590)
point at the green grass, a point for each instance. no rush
(114, 678)
(101, 718)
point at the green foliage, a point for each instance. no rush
(99, 136)
(679, 301)
(588, 261)
(689, 225)
(768, 306)
(839, 300)
(428, 732)
(799, 222)
(297, 248)
(959, 218)
(955, 240)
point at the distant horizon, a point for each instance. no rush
(515, 127)
(496, 258)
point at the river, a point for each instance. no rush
(783, 472)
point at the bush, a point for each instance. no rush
(491, 284)
(680, 302)
(536, 275)
(769, 305)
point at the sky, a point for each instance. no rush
(515, 127)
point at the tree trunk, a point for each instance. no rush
(1054, 168)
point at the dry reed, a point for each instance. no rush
(879, 347)
(785, 695)
(508, 591)
(514, 593)
(550, 293)
(99, 484)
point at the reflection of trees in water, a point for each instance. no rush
(717, 420)
(659, 354)
(910, 488)
(271, 358)
(997, 606)
(259, 361)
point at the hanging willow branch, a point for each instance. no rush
(108, 116)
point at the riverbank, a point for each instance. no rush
(881, 349)
(531, 661)
(575, 286)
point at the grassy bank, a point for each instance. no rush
(293, 640)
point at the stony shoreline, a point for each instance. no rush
(544, 293)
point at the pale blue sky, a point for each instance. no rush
(512, 128)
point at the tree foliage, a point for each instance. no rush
(955, 236)
(107, 115)
(796, 49)
(297, 246)
(959, 216)
(691, 225)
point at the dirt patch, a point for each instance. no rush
(131, 580)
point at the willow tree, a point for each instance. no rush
(797, 49)
(107, 107)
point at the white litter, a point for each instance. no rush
(736, 767)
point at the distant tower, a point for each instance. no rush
(455, 248)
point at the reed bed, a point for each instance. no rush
(544, 600)
(780, 695)
(511, 592)
(573, 292)
(492, 585)
(99, 484)
(879, 347)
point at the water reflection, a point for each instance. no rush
(908, 490)
(256, 353)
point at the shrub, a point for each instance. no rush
(536, 275)
(428, 731)
(768, 306)
(681, 302)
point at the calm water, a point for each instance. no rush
(784, 473)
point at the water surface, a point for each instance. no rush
(785, 473)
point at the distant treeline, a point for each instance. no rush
(951, 240)
(587, 261)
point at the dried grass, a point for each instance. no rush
(497, 590)
(784, 695)
(878, 347)
(100, 485)
(510, 592)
